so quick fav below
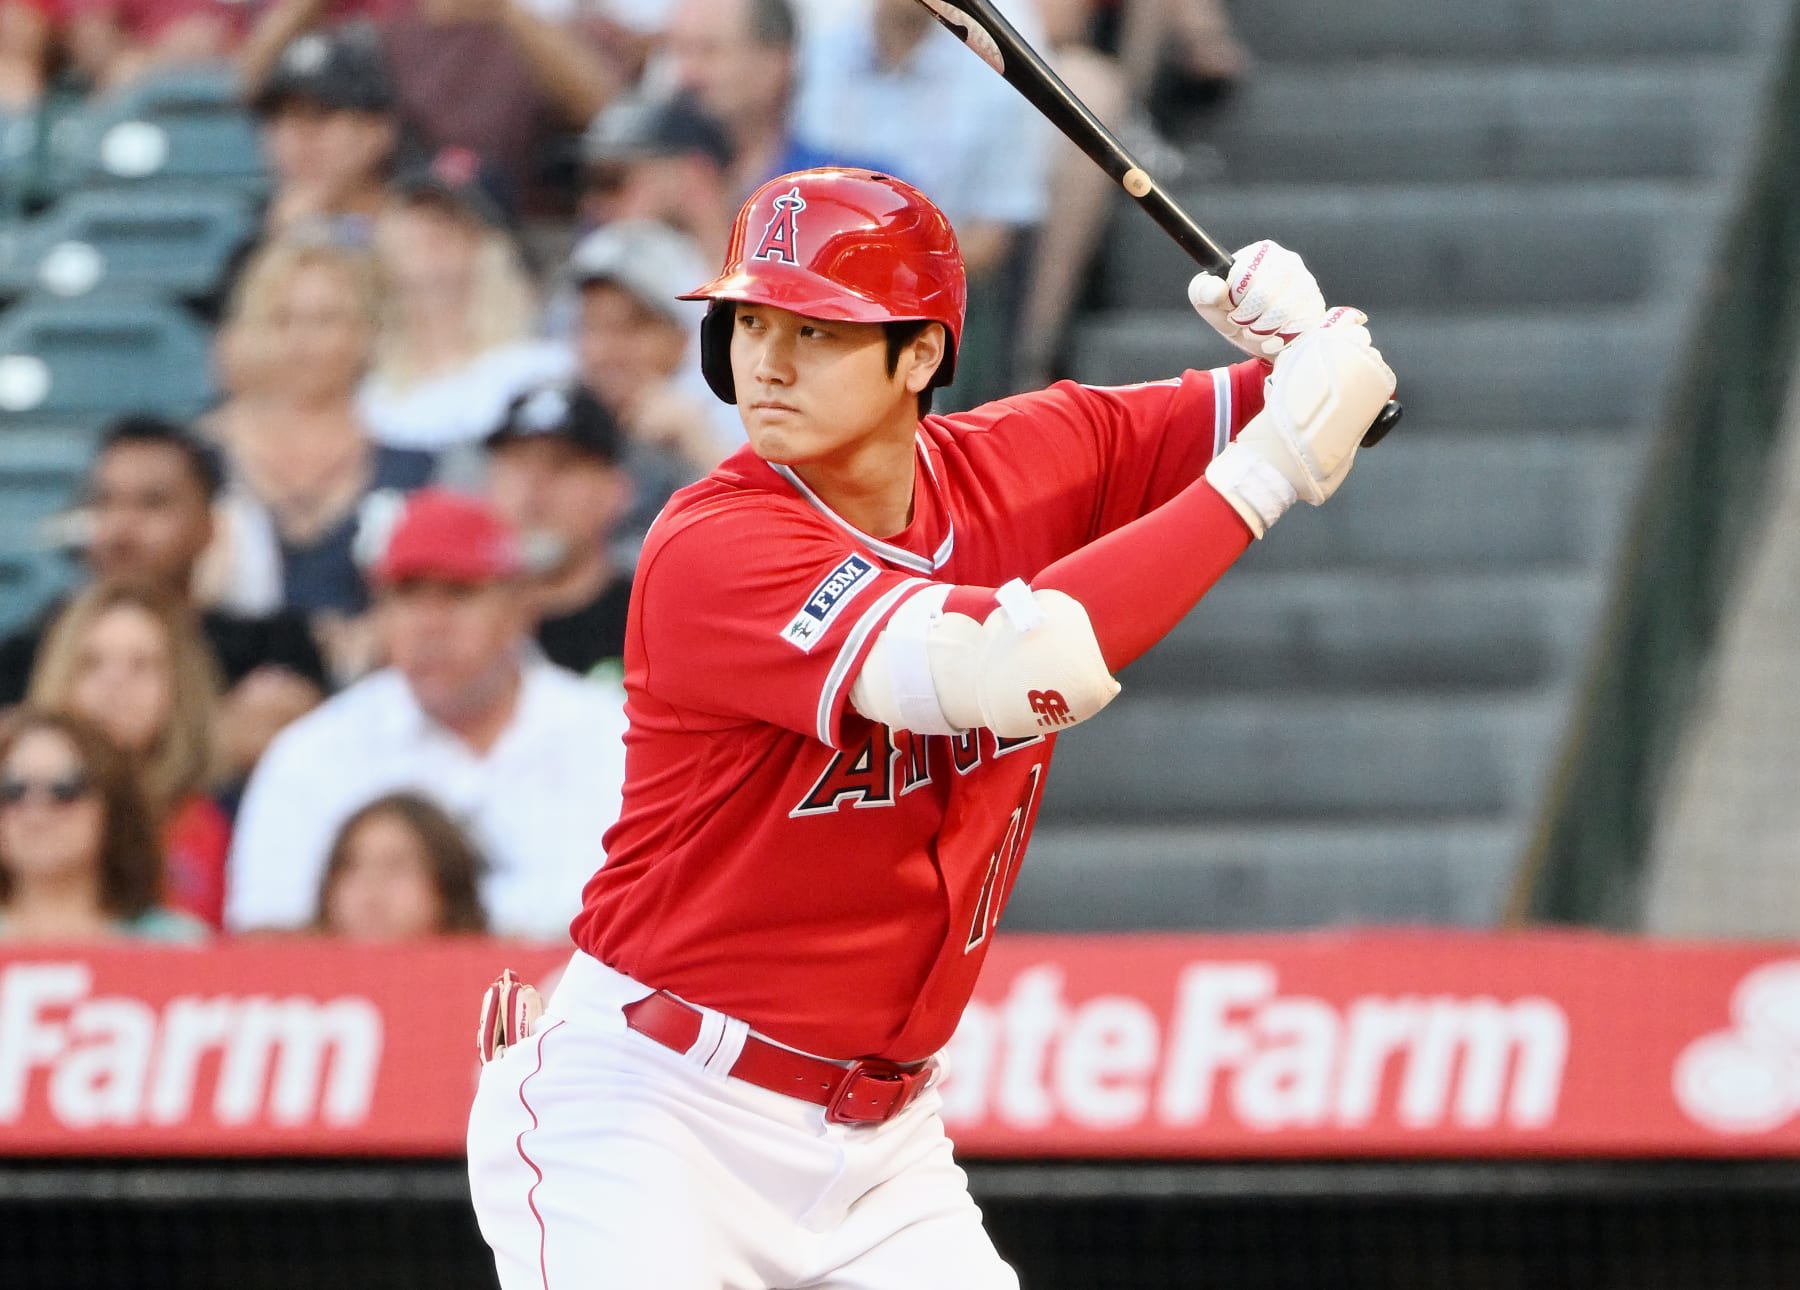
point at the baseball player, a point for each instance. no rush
(850, 652)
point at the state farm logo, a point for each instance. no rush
(1747, 1079)
(117, 1061)
(1239, 1050)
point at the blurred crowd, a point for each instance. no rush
(346, 652)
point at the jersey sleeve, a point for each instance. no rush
(758, 612)
(1132, 447)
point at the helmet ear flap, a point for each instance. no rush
(715, 349)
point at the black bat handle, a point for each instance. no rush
(1213, 258)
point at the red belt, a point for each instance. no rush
(868, 1091)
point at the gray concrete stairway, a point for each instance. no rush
(1358, 725)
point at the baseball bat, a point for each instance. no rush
(985, 30)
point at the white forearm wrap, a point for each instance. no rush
(1034, 667)
(1256, 490)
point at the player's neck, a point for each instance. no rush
(870, 487)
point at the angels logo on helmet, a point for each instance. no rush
(779, 238)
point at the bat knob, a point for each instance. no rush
(1389, 418)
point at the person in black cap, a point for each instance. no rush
(554, 472)
(661, 159)
(329, 131)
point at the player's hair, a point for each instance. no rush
(899, 336)
(771, 23)
(201, 461)
(129, 859)
(456, 864)
(182, 761)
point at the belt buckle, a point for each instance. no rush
(873, 1092)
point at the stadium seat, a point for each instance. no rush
(86, 358)
(186, 126)
(174, 243)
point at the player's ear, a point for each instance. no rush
(923, 355)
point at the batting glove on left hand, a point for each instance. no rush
(1265, 300)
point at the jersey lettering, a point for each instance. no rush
(1002, 865)
(915, 760)
(780, 241)
(863, 775)
(888, 764)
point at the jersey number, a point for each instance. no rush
(1002, 865)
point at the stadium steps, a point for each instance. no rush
(1357, 725)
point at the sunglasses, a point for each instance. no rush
(60, 792)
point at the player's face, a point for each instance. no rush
(815, 392)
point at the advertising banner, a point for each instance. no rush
(1356, 1044)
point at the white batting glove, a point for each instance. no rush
(1326, 390)
(1265, 300)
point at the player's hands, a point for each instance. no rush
(1265, 300)
(1327, 387)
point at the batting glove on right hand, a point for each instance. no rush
(1326, 389)
(1265, 300)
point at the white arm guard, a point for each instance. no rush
(1034, 667)
(1324, 393)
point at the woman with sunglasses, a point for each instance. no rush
(79, 859)
(134, 662)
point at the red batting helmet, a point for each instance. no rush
(840, 245)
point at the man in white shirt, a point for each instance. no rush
(527, 756)
(890, 81)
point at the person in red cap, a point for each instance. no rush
(850, 652)
(525, 755)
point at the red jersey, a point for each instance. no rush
(782, 859)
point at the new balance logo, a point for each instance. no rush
(1051, 707)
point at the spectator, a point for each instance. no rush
(1186, 45)
(660, 159)
(527, 755)
(869, 81)
(554, 474)
(301, 463)
(458, 341)
(133, 662)
(111, 43)
(78, 854)
(1074, 223)
(738, 59)
(25, 35)
(487, 76)
(637, 348)
(399, 870)
(149, 510)
(329, 132)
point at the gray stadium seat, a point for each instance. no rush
(174, 243)
(182, 126)
(87, 358)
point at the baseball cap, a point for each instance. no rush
(341, 69)
(651, 260)
(451, 537)
(566, 411)
(642, 126)
(458, 180)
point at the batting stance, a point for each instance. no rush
(850, 652)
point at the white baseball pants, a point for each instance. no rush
(600, 1160)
